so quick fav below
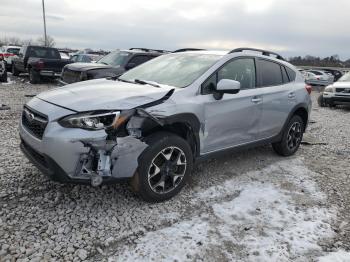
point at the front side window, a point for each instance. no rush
(178, 69)
(241, 70)
(270, 73)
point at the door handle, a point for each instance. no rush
(291, 95)
(256, 99)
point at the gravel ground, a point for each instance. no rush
(247, 206)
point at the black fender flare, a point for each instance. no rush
(290, 115)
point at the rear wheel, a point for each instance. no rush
(34, 77)
(15, 72)
(163, 168)
(291, 138)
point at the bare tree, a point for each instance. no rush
(50, 41)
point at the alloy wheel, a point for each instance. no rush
(294, 136)
(167, 170)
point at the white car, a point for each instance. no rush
(337, 93)
(317, 77)
(8, 52)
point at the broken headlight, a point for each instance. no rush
(90, 121)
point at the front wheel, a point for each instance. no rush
(164, 167)
(3, 78)
(15, 72)
(320, 101)
(291, 138)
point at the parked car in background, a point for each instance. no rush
(3, 71)
(38, 61)
(113, 64)
(335, 73)
(85, 58)
(8, 52)
(336, 94)
(317, 77)
(153, 122)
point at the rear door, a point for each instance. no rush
(278, 95)
(233, 120)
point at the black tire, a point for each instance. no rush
(160, 145)
(34, 77)
(320, 101)
(290, 144)
(15, 72)
(3, 78)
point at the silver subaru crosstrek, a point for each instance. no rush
(151, 124)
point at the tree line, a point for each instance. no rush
(13, 40)
(331, 61)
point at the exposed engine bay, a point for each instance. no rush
(117, 154)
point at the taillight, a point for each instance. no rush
(40, 64)
(308, 88)
(8, 54)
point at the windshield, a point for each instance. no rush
(345, 78)
(178, 70)
(116, 58)
(14, 51)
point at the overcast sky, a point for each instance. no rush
(291, 27)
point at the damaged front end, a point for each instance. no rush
(115, 155)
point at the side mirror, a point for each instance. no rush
(226, 86)
(130, 65)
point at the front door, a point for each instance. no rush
(234, 119)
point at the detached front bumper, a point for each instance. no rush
(60, 153)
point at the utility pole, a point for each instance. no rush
(45, 36)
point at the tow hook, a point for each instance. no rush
(96, 180)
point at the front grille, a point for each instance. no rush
(37, 156)
(34, 122)
(70, 76)
(343, 90)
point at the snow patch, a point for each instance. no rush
(9, 82)
(339, 256)
(274, 214)
(179, 242)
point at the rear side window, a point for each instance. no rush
(138, 60)
(270, 73)
(285, 77)
(291, 73)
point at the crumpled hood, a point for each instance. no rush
(103, 94)
(87, 66)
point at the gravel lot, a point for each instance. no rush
(247, 206)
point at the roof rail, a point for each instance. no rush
(149, 50)
(264, 52)
(187, 49)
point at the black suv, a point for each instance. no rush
(113, 64)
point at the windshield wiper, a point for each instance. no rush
(144, 82)
(103, 63)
